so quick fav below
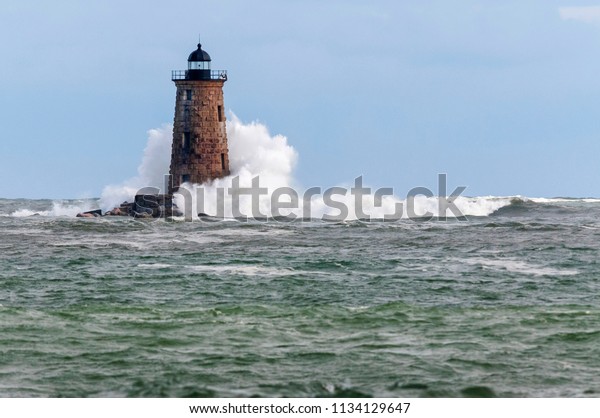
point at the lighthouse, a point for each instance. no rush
(199, 150)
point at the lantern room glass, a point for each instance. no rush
(199, 65)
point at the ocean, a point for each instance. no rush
(503, 305)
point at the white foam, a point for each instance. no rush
(102, 242)
(59, 208)
(154, 266)
(562, 200)
(518, 266)
(22, 213)
(202, 239)
(243, 270)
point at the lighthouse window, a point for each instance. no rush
(223, 161)
(188, 95)
(186, 141)
(220, 112)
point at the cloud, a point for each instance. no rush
(586, 14)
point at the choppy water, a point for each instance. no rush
(504, 305)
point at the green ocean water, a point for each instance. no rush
(504, 305)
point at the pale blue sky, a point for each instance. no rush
(504, 96)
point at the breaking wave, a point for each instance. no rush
(54, 209)
(482, 206)
(254, 151)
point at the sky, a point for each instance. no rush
(502, 96)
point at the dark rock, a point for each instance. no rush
(144, 206)
(90, 214)
(85, 215)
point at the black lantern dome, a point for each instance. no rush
(199, 55)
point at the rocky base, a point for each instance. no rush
(144, 206)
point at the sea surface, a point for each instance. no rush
(502, 305)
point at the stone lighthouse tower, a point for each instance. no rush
(199, 151)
